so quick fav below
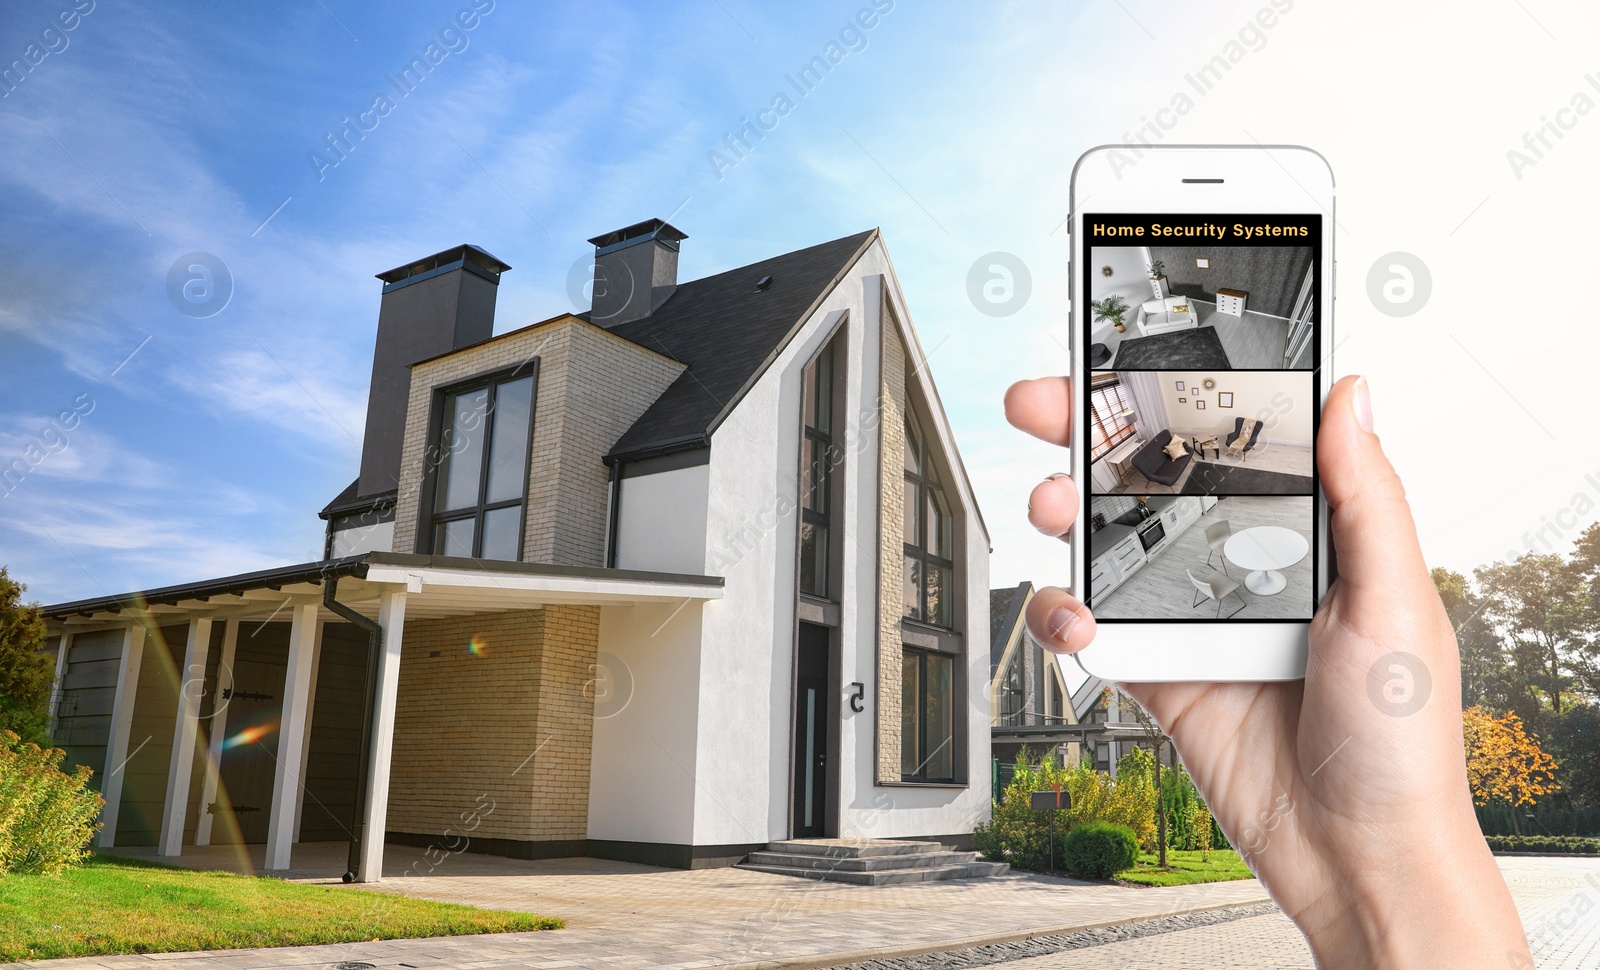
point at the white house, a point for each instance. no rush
(690, 573)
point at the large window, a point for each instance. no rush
(1010, 700)
(927, 716)
(483, 478)
(929, 565)
(1112, 412)
(820, 459)
(1055, 695)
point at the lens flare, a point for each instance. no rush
(478, 646)
(250, 735)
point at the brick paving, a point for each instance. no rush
(629, 917)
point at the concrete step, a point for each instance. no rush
(822, 863)
(853, 848)
(889, 877)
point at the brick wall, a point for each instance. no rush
(592, 386)
(510, 719)
(891, 551)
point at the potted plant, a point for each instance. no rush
(1158, 280)
(1111, 308)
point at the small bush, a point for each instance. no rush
(1544, 843)
(1019, 835)
(47, 816)
(1099, 850)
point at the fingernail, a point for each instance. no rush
(1060, 623)
(1056, 476)
(1361, 404)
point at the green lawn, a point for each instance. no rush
(120, 906)
(1184, 868)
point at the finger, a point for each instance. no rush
(1053, 505)
(1374, 537)
(1059, 622)
(1043, 408)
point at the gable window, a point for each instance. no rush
(1009, 699)
(1055, 701)
(483, 479)
(820, 458)
(927, 716)
(1111, 412)
(929, 567)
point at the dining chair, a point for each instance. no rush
(1217, 535)
(1216, 586)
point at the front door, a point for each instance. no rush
(811, 732)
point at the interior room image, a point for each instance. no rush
(1216, 307)
(1200, 557)
(1201, 432)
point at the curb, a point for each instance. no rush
(1548, 855)
(821, 961)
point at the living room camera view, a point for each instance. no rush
(1211, 307)
(1197, 433)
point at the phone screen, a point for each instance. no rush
(1201, 411)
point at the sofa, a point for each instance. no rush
(1153, 463)
(1159, 316)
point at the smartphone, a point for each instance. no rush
(1202, 281)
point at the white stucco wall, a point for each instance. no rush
(644, 754)
(662, 521)
(743, 744)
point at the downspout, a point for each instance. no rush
(330, 592)
(613, 514)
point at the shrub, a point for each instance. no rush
(1099, 850)
(47, 816)
(1544, 843)
(1021, 836)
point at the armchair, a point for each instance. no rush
(1238, 425)
(1154, 464)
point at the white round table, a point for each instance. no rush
(1264, 550)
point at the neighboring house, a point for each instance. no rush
(1033, 705)
(665, 581)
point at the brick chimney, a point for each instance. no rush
(635, 270)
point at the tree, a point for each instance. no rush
(1505, 762)
(1157, 740)
(1541, 604)
(1586, 562)
(26, 674)
(1487, 674)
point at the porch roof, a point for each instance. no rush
(436, 586)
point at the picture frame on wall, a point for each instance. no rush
(1224, 399)
(1199, 404)
(1180, 385)
(1183, 400)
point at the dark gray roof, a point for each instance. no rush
(727, 332)
(1005, 606)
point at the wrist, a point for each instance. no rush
(1440, 901)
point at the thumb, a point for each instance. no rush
(1374, 537)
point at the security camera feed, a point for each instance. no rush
(1200, 412)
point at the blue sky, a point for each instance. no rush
(158, 129)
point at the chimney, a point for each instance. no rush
(430, 307)
(635, 270)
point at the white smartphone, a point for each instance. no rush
(1202, 282)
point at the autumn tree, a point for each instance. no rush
(26, 674)
(1504, 762)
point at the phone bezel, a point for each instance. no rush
(1266, 179)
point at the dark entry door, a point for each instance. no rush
(811, 732)
(249, 752)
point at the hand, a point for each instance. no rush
(1352, 811)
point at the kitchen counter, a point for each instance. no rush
(1110, 536)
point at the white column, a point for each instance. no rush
(180, 769)
(311, 711)
(121, 725)
(217, 732)
(58, 686)
(392, 617)
(291, 735)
